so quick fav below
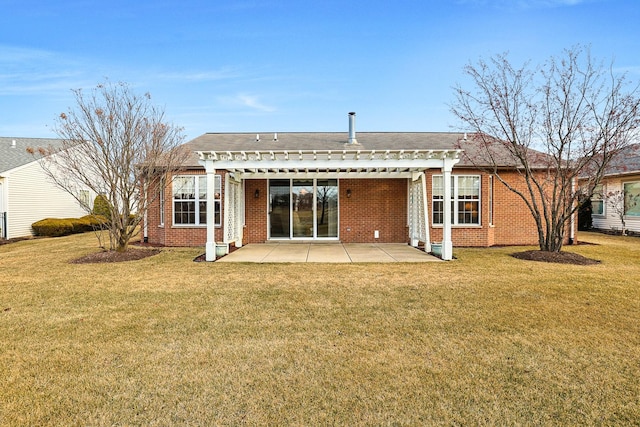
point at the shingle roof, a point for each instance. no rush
(625, 162)
(307, 141)
(12, 157)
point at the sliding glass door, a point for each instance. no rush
(302, 211)
(327, 208)
(303, 208)
(280, 206)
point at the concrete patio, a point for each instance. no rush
(333, 252)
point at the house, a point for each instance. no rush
(26, 195)
(617, 197)
(387, 187)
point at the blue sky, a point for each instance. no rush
(277, 66)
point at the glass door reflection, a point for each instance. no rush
(327, 208)
(279, 208)
(302, 208)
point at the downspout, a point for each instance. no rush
(145, 232)
(572, 229)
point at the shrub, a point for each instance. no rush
(89, 223)
(56, 227)
(53, 227)
(101, 206)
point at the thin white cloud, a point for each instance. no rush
(14, 54)
(30, 71)
(248, 101)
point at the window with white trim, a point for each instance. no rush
(85, 199)
(465, 199)
(632, 198)
(190, 200)
(597, 200)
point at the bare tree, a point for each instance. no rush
(117, 144)
(553, 124)
(615, 200)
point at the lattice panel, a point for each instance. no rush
(417, 229)
(233, 211)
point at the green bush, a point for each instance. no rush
(101, 206)
(89, 223)
(53, 227)
(56, 227)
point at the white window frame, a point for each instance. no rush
(84, 197)
(624, 189)
(198, 199)
(455, 200)
(598, 196)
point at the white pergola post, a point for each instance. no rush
(210, 254)
(425, 210)
(447, 244)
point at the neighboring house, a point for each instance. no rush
(26, 195)
(622, 177)
(414, 188)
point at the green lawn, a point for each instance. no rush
(485, 339)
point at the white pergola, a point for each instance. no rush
(351, 163)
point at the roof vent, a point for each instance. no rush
(275, 136)
(13, 143)
(352, 128)
(257, 137)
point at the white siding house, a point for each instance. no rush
(26, 195)
(622, 177)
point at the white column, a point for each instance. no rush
(240, 213)
(447, 245)
(425, 210)
(210, 254)
(228, 210)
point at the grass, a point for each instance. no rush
(485, 339)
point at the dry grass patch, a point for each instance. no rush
(486, 339)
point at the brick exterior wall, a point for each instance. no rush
(374, 204)
(255, 211)
(179, 235)
(512, 222)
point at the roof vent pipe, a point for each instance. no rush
(275, 136)
(352, 128)
(13, 143)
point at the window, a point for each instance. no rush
(632, 198)
(190, 200)
(465, 199)
(597, 202)
(85, 199)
